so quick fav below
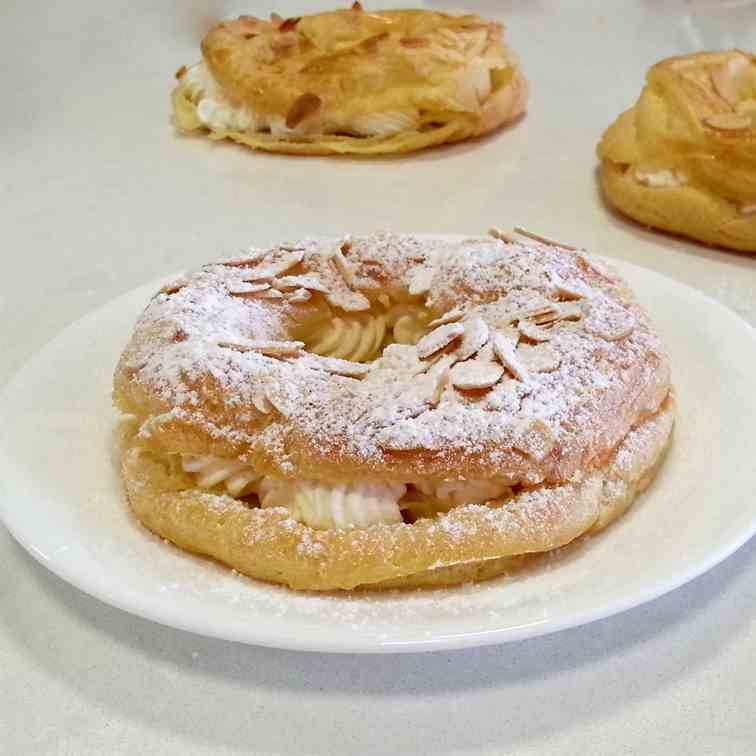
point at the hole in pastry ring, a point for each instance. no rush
(216, 367)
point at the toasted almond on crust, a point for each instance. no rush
(543, 239)
(268, 348)
(505, 351)
(475, 375)
(250, 290)
(313, 283)
(473, 339)
(305, 106)
(438, 339)
(534, 332)
(336, 366)
(540, 358)
(507, 238)
(420, 281)
(449, 317)
(348, 300)
(727, 122)
(300, 295)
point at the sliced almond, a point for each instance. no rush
(535, 439)
(540, 358)
(347, 300)
(275, 269)
(336, 366)
(728, 121)
(475, 375)
(420, 281)
(474, 338)
(304, 107)
(250, 260)
(270, 294)
(414, 42)
(548, 315)
(250, 290)
(450, 317)
(290, 24)
(300, 295)
(261, 403)
(501, 235)
(534, 332)
(269, 348)
(313, 283)
(569, 290)
(543, 239)
(724, 84)
(438, 338)
(504, 350)
(344, 268)
(570, 311)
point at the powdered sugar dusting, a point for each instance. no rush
(606, 364)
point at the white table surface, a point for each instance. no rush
(98, 195)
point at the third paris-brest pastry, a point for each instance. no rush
(683, 159)
(351, 82)
(389, 410)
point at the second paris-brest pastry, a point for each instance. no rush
(683, 158)
(391, 410)
(351, 82)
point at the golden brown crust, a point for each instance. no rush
(683, 159)
(468, 543)
(329, 83)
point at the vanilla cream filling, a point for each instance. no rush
(333, 505)
(663, 179)
(215, 111)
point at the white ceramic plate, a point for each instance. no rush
(62, 500)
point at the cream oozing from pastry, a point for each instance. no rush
(661, 179)
(324, 505)
(217, 113)
(236, 476)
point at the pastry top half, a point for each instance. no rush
(684, 157)
(397, 358)
(351, 82)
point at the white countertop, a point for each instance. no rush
(98, 195)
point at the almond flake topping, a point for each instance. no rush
(474, 338)
(728, 121)
(534, 332)
(438, 339)
(343, 266)
(337, 366)
(269, 348)
(313, 283)
(475, 375)
(275, 269)
(300, 295)
(421, 280)
(540, 358)
(261, 403)
(450, 317)
(501, 235)
(248, 290)
(504, 351)
(543, 239)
